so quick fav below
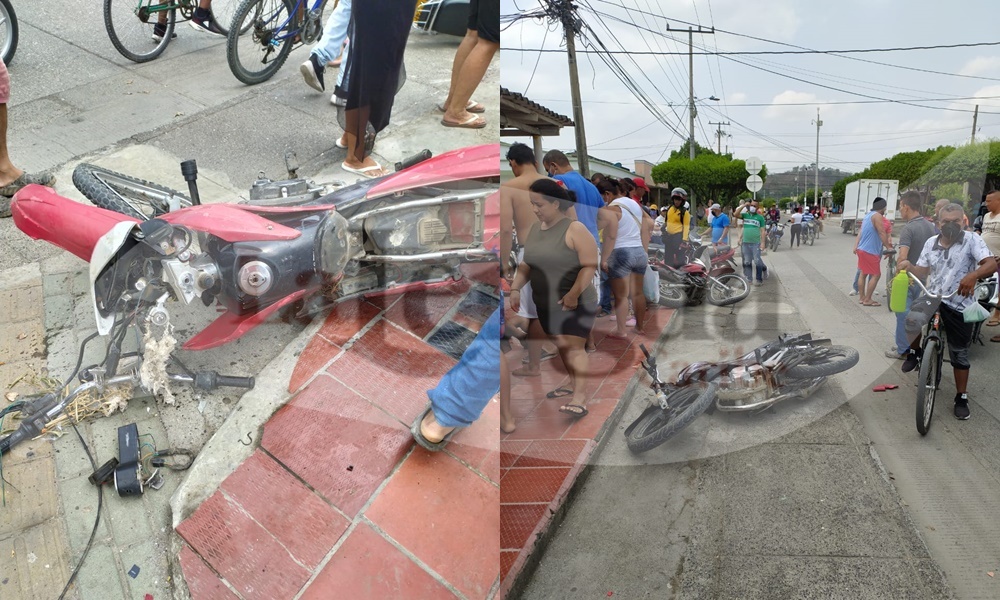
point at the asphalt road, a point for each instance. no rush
(836, 496)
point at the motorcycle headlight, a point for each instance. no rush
(982, 292)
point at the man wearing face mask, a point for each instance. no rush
(949, 261)
(752, 240)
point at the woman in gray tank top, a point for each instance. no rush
(560, 262)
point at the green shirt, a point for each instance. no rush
(753, 223)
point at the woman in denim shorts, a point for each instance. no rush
(629, 260)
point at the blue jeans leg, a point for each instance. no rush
(751, 259)
(328, 47)
(464, 391)
(903, 340)
(605, 292)
(857, 276)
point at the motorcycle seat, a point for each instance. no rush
(723, 248)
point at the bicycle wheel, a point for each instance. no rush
(224, 11)
(824, 361)
(927, 384)
(8, 32)
(134, 31)
(258, 54)
(655, 425)
(123, 194)
(729, 289)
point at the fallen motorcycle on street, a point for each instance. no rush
(787, 368)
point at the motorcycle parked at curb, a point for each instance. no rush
(710, 274)
(775, 231)
(790, 367)
(987, 294)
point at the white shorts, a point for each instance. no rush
(527, 308)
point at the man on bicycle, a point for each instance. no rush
(949, 261)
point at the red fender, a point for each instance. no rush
(43, 214)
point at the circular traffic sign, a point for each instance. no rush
(754, 183)
(753, 165)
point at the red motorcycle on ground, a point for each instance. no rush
(289, 248)
(709, 274)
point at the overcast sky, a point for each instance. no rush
(620, 129)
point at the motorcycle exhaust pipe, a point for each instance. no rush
(189, 169)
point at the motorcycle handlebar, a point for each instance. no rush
(209, 380)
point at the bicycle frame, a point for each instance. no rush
(297, 10)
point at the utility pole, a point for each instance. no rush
(692, 111)
(975, 117)
(819, 124)
(568, 17)
(719, 133)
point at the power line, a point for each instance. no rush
(778, 52)
(821, 103)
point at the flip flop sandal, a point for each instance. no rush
(364, 171)
(525, 372)
(339, 145)
(419, 438)
(559, 392)
(472, 122)
(472, 107)
(992, 323)
(574, 410)
(995, 338)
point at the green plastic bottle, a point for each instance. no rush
(897, 297)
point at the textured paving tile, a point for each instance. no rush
(374, 365)
(317, 354)
(588, 427)
(507, 558)
(201, 581)
(336, 442)
(517, 521)
(541, 428)
(551, 453)
(242, 551)
(346, 319)
(419, 312)
(532, 485)
(511, 450)
(447, 516)
(367, 566)
(266, 490)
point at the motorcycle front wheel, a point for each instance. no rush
(728, 289)
(123, 194)
(825, 361)
(655, 425)
(672, 296)
(8, 32)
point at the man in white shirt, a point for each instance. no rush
(990, 231)
(796, 220)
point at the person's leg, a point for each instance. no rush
(758, 262)
(8, 172)
(469, 77)
(328, 48)
(507, 424)
(464, 49)
(747, 251)
(536, 338)
(638, 300)
(872, 286)
(854, 286)
(357, 158)
(863, 288)
(575, 356)
(462, 394)
(606, 294)
(619, 287)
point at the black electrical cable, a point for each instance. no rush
(79, 360)
(97, 521)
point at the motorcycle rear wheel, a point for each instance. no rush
(731, 290)
(833, 360)
(655, 425)
(123, 194)
(8, 32)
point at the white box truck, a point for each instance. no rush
(859, 197)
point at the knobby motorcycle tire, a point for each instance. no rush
(928, 374)
(842, 359)
(732, 299)
(651, 428)
(671, 297)
(86, 178)
(10, 25)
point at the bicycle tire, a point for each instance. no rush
(655, 425)
(223, 12)
(925, 402)
(847, 357)
(9, 32)
(129, 34)
(122, 193)
(262, 17)
(713, 286)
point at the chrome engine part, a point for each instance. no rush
(743, 389)
(256, 278)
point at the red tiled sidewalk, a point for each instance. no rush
(541, 459)
(338, 502)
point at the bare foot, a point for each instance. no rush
(507, 425)
(7, 176)
(431, 430)
(527, 371)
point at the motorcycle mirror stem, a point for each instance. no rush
(189, 169)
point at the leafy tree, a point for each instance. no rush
(768, 202)
(908, 167)
(784, 203)
(685, 151)
(710, 177)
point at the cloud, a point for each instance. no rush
(981, 65)
(737, 98)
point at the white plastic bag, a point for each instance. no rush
(974, 313)
(651, 285)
